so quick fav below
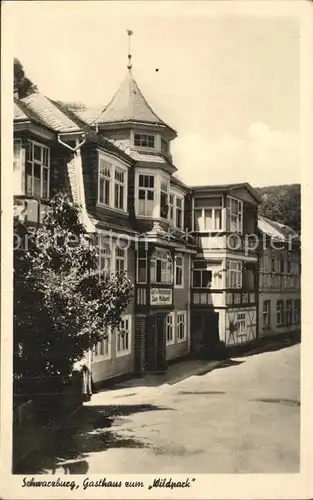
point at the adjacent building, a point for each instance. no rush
(187, 250)
(279, 278)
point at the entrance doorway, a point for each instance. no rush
(156, 343)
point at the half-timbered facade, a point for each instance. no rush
(279, 278)
(224, 270)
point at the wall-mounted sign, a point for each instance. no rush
(160, 296)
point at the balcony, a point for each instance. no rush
(231, 242)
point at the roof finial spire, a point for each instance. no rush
(129, 66)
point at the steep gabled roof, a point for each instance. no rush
(49, 114)
(129, 104)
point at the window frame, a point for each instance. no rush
(96, 357)
(181, 267)
(147, 136)
(173, 328)
(289, 312)
(117, 331)
(146, 189)
(105, 244)
(238, 271)
(266, 313)
(31, 160)
(114, 167)
(178, 322)
(241, 320)
(145, 259)
(239, 225)
(158, 255)
(280, 312)
(120, 258)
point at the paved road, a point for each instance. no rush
(237, 419)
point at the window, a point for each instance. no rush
(289, 267)
(17, 155)
(161, 269)
(280, 313)
(142, 266)
(234, 274)
(181, 326)
(266, 314)
(119, 188)
(170, 328)
(102, 349)
(164, 199)
(104, 182)
(297, 311)
(144, 141)
(179, 271)
(105, 258)
(123, 336)
(120, 259)
(146, 195)
(241, 323)
(289, 312)
(208, 214)
(234, 215)
(112, 185)
(201, 276)
(281, 263)
(38, 170)
(164, 145)
(176, 207)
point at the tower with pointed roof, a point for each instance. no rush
(130, 121)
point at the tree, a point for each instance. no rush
(22, 85)
(61, 307)
(282, 204)
(72, 105)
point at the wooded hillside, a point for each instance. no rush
(282, 204)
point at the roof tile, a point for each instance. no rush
(49, 114)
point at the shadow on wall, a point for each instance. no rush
(87, 432)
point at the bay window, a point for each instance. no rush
(234, 215)
(233, 274)
(208, 214)
(146, 185)
(179, 271)
(161, 267)
(112, 185)
(38, 170)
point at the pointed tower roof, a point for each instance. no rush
(130, 105)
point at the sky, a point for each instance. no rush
(228, 80)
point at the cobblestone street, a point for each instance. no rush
(242, 417)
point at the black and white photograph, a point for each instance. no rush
(155, 274)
